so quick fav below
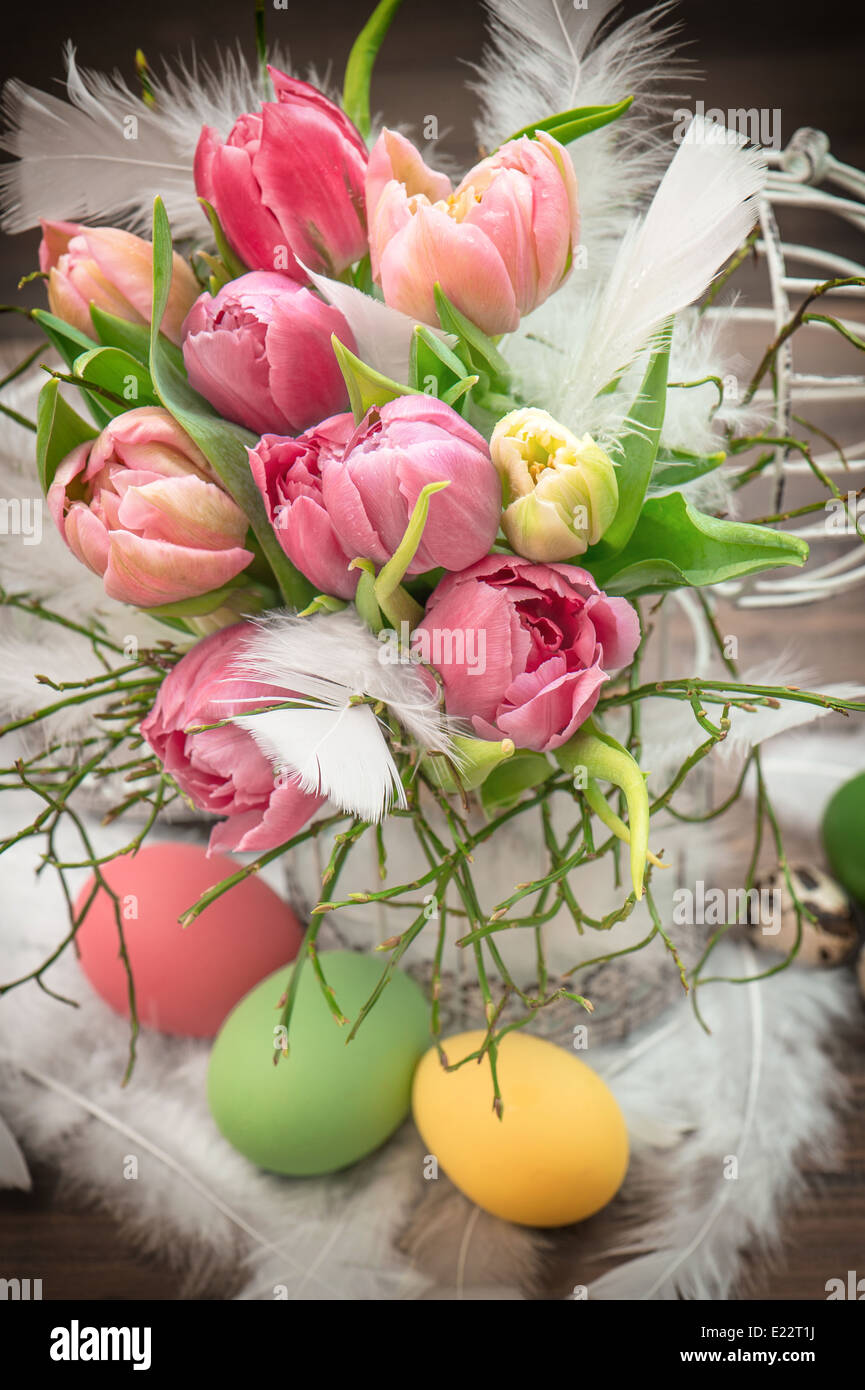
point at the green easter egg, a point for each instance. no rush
(844, 836)
(327, 1104)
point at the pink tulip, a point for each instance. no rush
(260, 351)
(397, 449)
(288, 475)
(113, 270)
(139, 506)
(288, 183)
(222, 770)
(498, 246)
(549, 637)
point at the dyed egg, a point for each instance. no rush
(327, 1103)
(558, 1154)
(187, 979)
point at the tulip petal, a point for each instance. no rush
(186, 511)
(285, 815)
(249, 225)
(543, 708)
(317, 200)
(87, 537)
(149, 573)
(300, 333)
(395, 157)
(433, 248)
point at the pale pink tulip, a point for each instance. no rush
(113, 270)
(222, 770)
(498, 245)
(140, 507)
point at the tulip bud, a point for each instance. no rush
(113, 270)
(140, 507)
(560, 492)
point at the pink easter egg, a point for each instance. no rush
(187, 979)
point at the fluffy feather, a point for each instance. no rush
(330, 657)
(756, 1090)
(383, 336)
(338, 752)
(75, 161)
(703, 210)
(338, 749)
(14, 1172)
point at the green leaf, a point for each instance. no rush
(70, 342)
(390, 576)
(232, 262)
(361, 60)
(133, 338)
(431, 360)
(676, 467)
(675, 546)
(365, 600)
(366, 386)
(119, 373)
(58, 431)
(478, 352)
(507, 783)
(635, 451)
(567, 126)
(223, 444)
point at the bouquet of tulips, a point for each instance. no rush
(316, 437)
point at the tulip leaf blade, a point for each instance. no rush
(675, 546)
(366, 386)
(120, 373)
(479, 353)
(70, 342)
(568, 126)
(361, 60)
(432, 364)
(133, 338)
(223, 444)
(59, 430)
(233, 265)
(635, 451)
(674, 468)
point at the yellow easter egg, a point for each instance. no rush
(558, 1154)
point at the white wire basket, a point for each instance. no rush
(806, 176)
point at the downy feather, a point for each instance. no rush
(76, 161)
(338, 749)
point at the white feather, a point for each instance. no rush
(756, 1090)
(339, 752)
(330, 657)
(75, 161)
(14, 1172)
(383, 336)
(548, 55)
(703, 210)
